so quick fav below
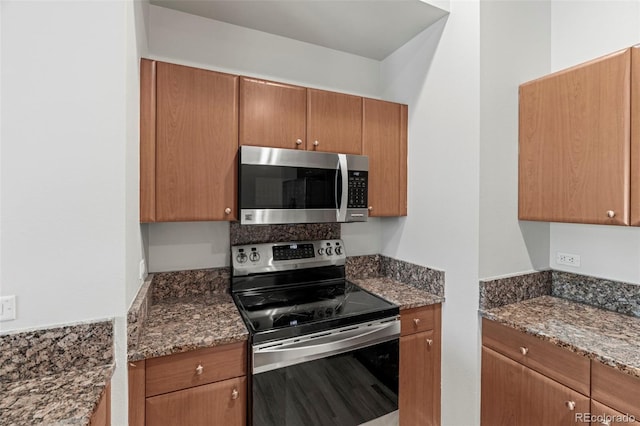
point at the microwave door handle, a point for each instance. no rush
(344, 172)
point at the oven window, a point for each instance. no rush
(347, 389)
(278, 187)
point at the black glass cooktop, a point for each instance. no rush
(296, 310)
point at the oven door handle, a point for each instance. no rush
(271, 356)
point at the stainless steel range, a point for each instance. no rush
(323, 351)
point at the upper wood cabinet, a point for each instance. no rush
(384, 140)
(334, 122)
(272, 114)
(189, 143)
(576, 143)
(193, 120)
(635, 136)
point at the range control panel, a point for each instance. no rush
(270, 257)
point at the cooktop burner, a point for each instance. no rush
(284, 294)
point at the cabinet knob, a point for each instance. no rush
(524, 350)
(416, 321)
(571, 405)
(370, 208)
(298, 141)
(235, 394)
(199, 369)
(429, 342)
(316, 143)
(227, 211)
(611, 214)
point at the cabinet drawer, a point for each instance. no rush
(220, 403)
(618, 390)
(566, 367)
(417, 319)
(180, 371)
(601, 414)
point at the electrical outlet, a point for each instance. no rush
(142, 269)
(568, 259)
(7, 308)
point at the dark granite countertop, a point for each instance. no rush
(608, 337)
(184, 324)
(67, 398)
(401, 294)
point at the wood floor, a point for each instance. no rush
(343, 392)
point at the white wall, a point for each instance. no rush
(515, 39)
(63, 160)
(70, 233)
(581, 31)
(182, 38)
(191, 40)
(437, 74)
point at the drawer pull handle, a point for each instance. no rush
(524, 350)
(429, 342)
(416, 321)
(199, 369)
(235, 394)
(570, 405)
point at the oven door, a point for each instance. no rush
(290, 186)
(346, 377)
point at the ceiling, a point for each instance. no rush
(369, 28)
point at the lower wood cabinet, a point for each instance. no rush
(102, 414)
(200, 387)
(601, 415)
(219, 403)
(419, 390)
(529, 381)
(513, 394)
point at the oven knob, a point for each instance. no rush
(241, 258)
(254, 256)
(329, 251)
(338, 250)
(321, 251)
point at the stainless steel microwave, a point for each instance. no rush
(292, 186)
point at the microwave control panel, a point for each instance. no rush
(358, 185)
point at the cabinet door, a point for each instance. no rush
(384, 140)
(635, 136)
(574, 137)
(334, 122)
(220, 403)
(513, 394)
(272, 114)
(418, 401)
(196, 144)
(601, 415)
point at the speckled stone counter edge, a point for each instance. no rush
(503, 291)
(605, 294)
(421, 277)
(138, 313)
(611, 295)
(254, 234)
(499, 317)
(26, 355)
